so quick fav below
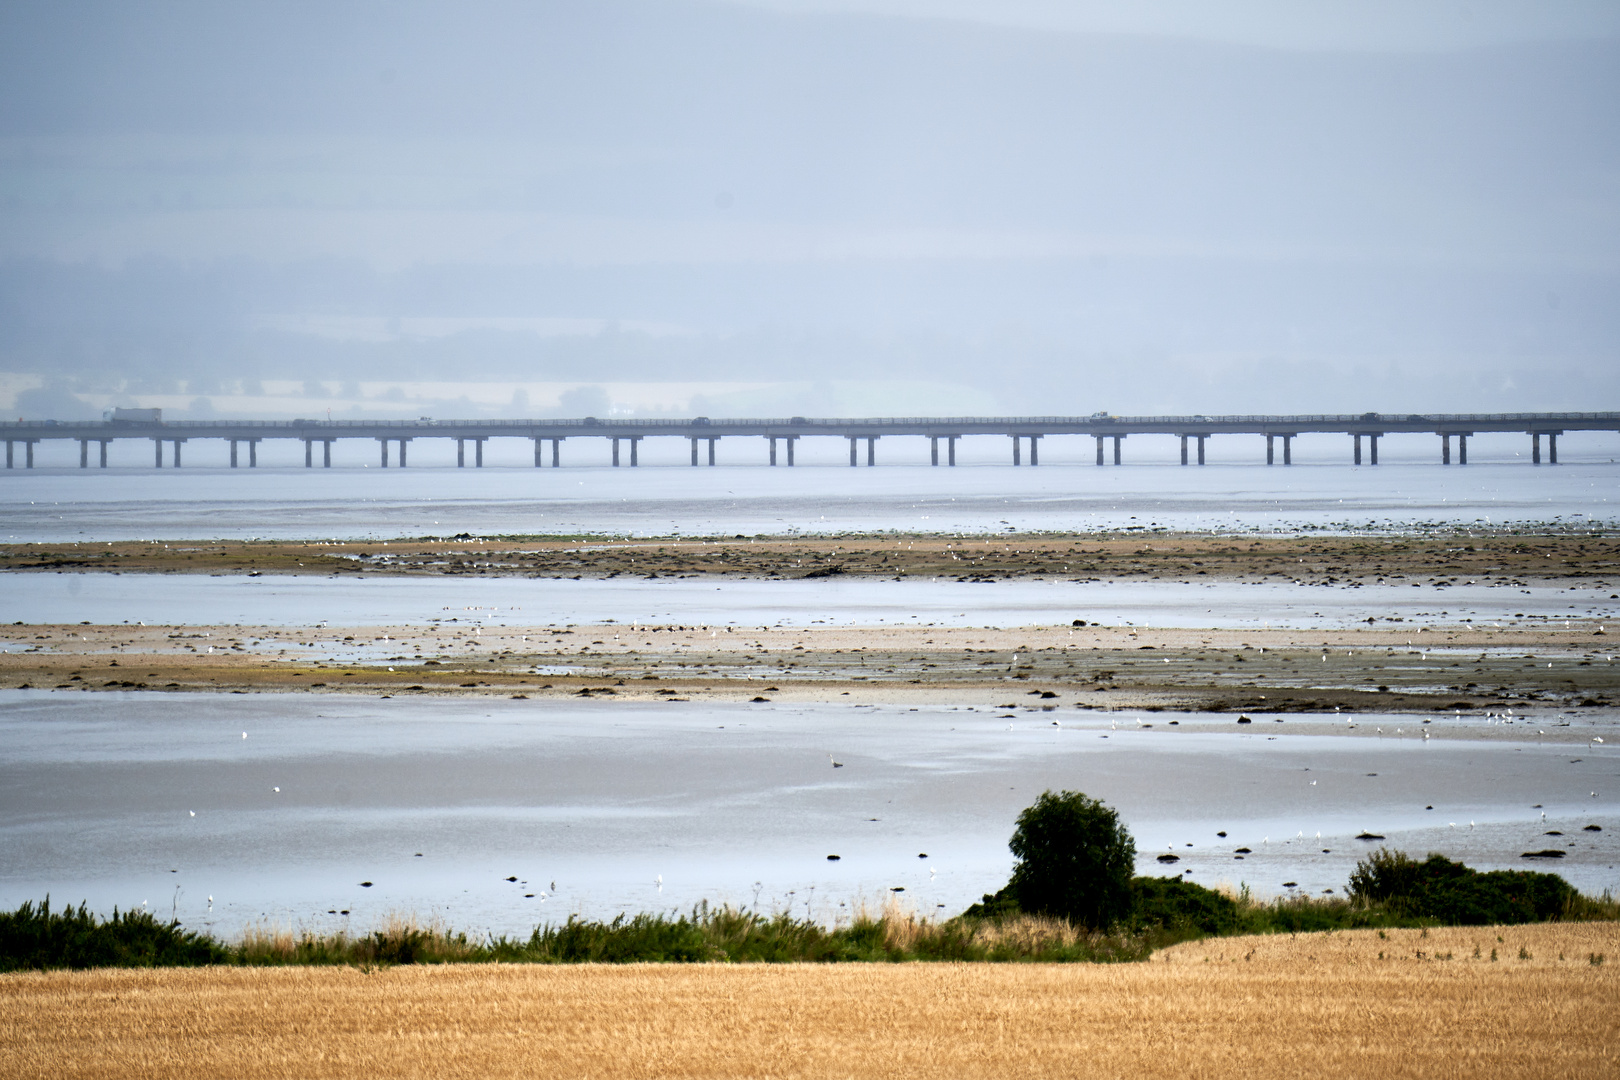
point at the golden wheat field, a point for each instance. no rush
(1251, 1007)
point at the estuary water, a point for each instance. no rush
(294, 503)
(198, 600)
(297, 810)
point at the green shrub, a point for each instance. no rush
(39, 939)
(1457, 895)
(1178, 905)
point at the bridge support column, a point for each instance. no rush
(635, 441)
(1099, 449)
(461, 453)
(84, 453)
(694, 450)
(9, 452)
(537, 458)
(871, 450)
(950, 449)
(253, 453)
(309, 453)
(157, 456)
(615, 451)
(1462, 449)
(1445, 448)
(1535, 448)
(177, 443)
(852, 459)
(791, 439)
(104, 443)
(556, 454)
(1201, 439)
(1184, 449)
(402, 443)
(384, 444)
(1552, 448)
(1373, 440)
(1270, 452)
(1034, 451)
(1357, 440)
(1117, 440)
(1016, 444)
(933, 449)
(233, 452)
(773, 450)
(326, 453)
(1288, 449)
(711, 451)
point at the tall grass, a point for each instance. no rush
(36, 937)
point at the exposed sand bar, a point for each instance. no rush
(1486, 557)
(1563, 665)
(1285, 1007)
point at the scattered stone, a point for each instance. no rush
(1545, 853)
(1369, 836)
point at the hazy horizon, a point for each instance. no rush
(813, 207)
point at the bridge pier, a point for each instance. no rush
(1462, 449)
(852, 444)
(1117, 440)
(556, 453)
(1201, 439)
(1552, 447)
(791, 439)
(461, 453)
(871, 450)
(635, 441)
(772, 439)
(309, 453)
(1356, 439)
(9, 453)
(1445, 448)
(1535, 448)
(84, 453)
(1016, 445)
(1373, 440)
(326, 453)
(1288, 449)
(253, 453)
(1270, 460)
(157, 453)
(933, 449)
(1034, 450)
(950, 449)
(615, 451)
(694, 451)
(1184, 449)
(104, 443)
(1099, 449)
(712, 441)
(233, 452)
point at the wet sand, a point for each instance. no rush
(1408, 669)
(1452, 557)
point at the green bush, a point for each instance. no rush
(1075, 860)
(1457, 895)
(1178, 905)
(36, 938)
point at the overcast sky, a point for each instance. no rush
(810, 206)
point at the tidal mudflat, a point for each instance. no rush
(297, 809)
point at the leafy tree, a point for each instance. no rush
(1075, 860)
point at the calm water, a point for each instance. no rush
(128, 798)
(58, 504)
(171, 599)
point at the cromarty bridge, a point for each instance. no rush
(704, 433)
